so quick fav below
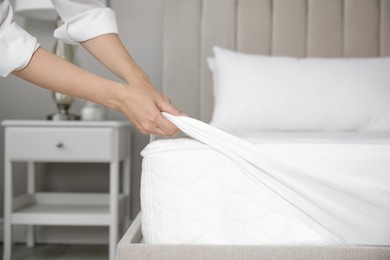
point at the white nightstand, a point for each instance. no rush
(46, 141)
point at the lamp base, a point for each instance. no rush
(63, 117)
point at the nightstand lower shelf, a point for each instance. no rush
(87, 209)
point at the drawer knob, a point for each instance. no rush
(60, 145)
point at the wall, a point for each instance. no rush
(140, 26)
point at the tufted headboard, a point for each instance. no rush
(299, 28)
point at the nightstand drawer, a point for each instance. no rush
(59, 144)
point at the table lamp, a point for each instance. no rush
(44, 10)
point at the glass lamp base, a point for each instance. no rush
(62, 117)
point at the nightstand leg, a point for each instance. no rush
(126, 191)
(114, 190)
(8, 197)
(30, 190)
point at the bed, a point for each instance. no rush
(296, 29)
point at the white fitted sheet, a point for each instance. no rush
(192, 194)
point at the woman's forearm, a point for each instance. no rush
(110, 51)
(51, 72)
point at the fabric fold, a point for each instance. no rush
(87, 25)
(344, 209)
(16, 49)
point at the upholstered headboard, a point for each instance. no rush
(299, 28)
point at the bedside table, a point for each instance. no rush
(66, 141)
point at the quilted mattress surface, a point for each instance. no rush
(192, 194)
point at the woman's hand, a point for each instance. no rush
(140, 102)
(143, 104)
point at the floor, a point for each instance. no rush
(59, 252)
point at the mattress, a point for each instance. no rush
(193, 194)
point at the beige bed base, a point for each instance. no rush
(131, 248)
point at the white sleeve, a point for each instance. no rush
(16, 45)
(84, 19)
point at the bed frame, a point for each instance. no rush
(298, 28)
(131, 248)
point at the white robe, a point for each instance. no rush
(84, 20)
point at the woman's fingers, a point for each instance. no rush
(157, 125)
(166, 126)
(143, 106)
(155, 130)
(166, 106)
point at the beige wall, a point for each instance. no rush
(140, 26)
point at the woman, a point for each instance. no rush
(93, 25)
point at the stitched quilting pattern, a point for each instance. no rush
(201, 197)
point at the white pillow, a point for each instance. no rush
(255, 92)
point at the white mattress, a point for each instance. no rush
(192, 194)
